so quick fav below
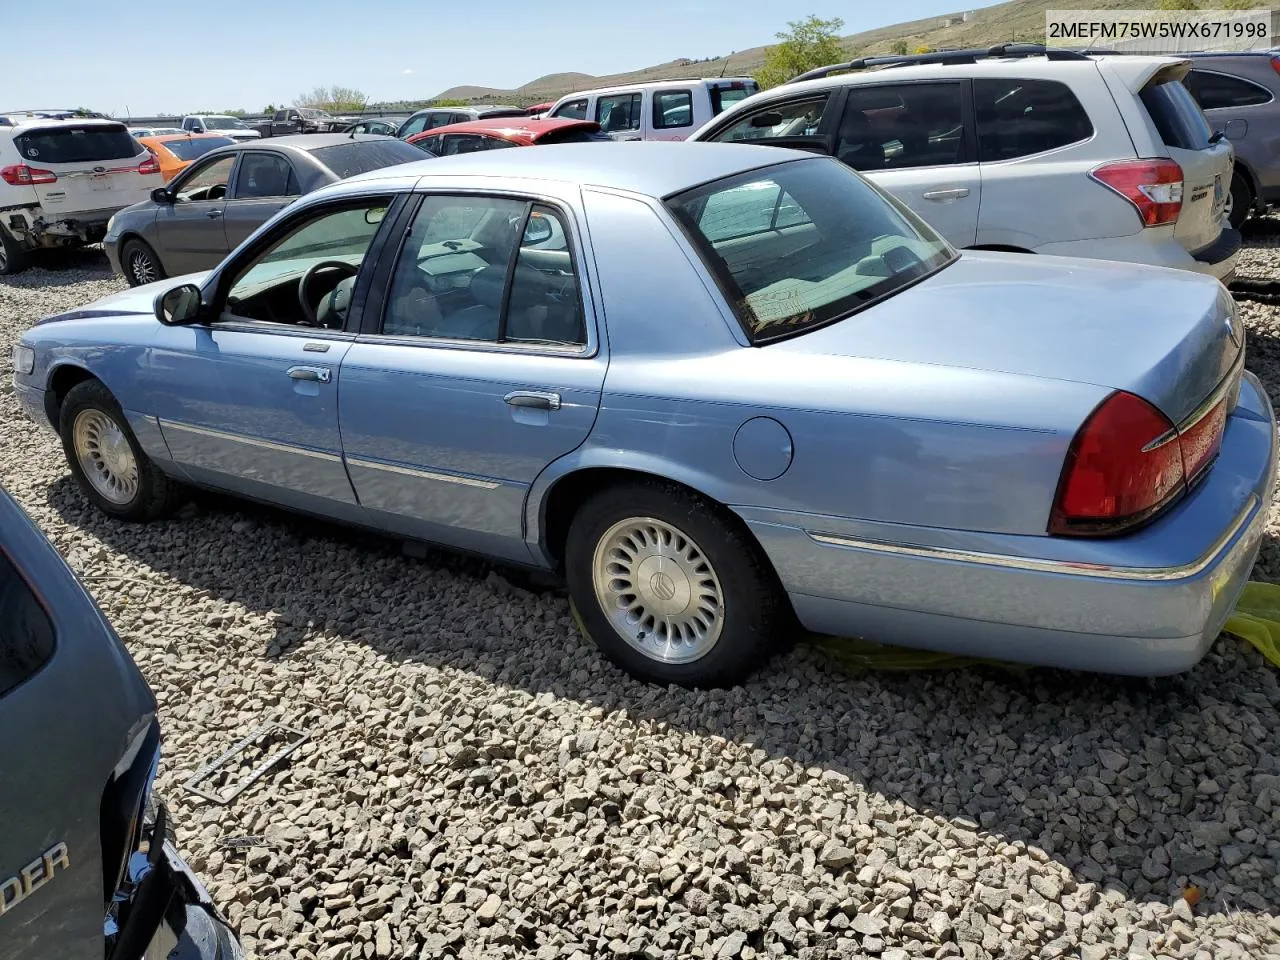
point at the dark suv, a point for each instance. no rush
(1238, 93)
(87, 865)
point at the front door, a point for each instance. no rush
(265, 183)
(191, 231)
(913, 140)
(249, 401)
(480, 370)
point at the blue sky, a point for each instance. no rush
(151, 58)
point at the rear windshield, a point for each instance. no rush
(86, 144)
(576, 136)
(722, 98)
(1178, 118)
(26, 633)
(361, 156)
(805, 243)
(190, 149)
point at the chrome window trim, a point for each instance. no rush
(423, 474)
(1036, 565)
(249, 441)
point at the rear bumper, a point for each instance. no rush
(1150, 603)
(1218, 260)
(36, 227)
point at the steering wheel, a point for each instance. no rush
(308, 311)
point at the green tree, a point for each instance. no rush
(333, 99)
(808, 43)
(899, 47)
(450, 103)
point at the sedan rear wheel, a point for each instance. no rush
(105, 458)
(141, 265)
(669, 588)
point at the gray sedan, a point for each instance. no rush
(206, 211)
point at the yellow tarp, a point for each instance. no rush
(1257, 619)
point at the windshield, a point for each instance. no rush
(314, 114)
(224, 123)
(805, 243)
(190, 149)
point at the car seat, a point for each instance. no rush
(855, 144)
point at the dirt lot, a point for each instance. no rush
(479, 783)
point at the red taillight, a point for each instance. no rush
(1154, 187)
(1201, 440)
(149, 165)
(1275, 64)
(20, 175)
(1123, 466)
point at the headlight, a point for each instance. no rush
(24, 359)
(111, 223)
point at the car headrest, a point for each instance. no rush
(487, 286)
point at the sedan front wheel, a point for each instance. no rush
(670, 589)
(141, 265)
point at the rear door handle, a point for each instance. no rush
(214, 214)
(948, 193)
(533, 398)
(314, 374)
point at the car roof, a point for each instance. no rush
(170, 137)
(646, 84)
(653, 168)
(526, 130)
(17, 120)
(299, 142)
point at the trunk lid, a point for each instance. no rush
(93, 167)
(1169, 336)
(1185, 132)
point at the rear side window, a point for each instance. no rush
(191, 149)
(1214, 91)
(672, 108)
(1177, 117)
(361, 156)
(1017, 118)
(86, 144)
(794, 118)
(618, 112)
(26, 632)
(573, 110)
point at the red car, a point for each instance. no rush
(499, 132)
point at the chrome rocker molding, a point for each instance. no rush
(422, 474)
(1069, 567)
(250, 441)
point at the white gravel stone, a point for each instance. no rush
(480, 783)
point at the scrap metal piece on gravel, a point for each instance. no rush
(211, 768)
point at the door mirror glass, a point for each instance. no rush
(375, 215)
(161, 195)
(179, 305)
(538, 230)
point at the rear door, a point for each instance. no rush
(915, 140)
(670, 115)
(620, 115)
(81, 168)
(265, 182)
(192, 234)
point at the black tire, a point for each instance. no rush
(752, 606)
(154, 495)
(140, 263)
(13, 258)
(1242, 200)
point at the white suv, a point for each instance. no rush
(1021, 149)
(656, 109)
(62, 179)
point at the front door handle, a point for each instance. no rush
(948, 193)
(533, 398)
(314, 374)
(214, 214)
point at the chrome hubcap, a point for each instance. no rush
(658, 589)
(144, 271)
(105, 456)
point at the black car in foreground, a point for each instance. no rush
(88, 868)
(205, 212)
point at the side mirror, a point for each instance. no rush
(178, 306)
(161, 195)
(538, 230)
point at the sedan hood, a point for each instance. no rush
(135, 300)
(1169, 336)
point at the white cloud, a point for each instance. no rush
(406, 72)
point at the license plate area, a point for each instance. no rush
(229, 775)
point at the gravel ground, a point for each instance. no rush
(479, 783)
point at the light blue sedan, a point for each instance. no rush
(720, 388)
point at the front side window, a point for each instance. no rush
(492, 269)
(805, 243)
(268, 287)
(439, 120)
(26, 632)
(672, 108)
(206, 182)
(1017, 117)
(792, 118)
(903, 125)
(265, 175)
(456, 143)
(573, 110)
(619, 112)
(415, 125)
(1217, 91)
